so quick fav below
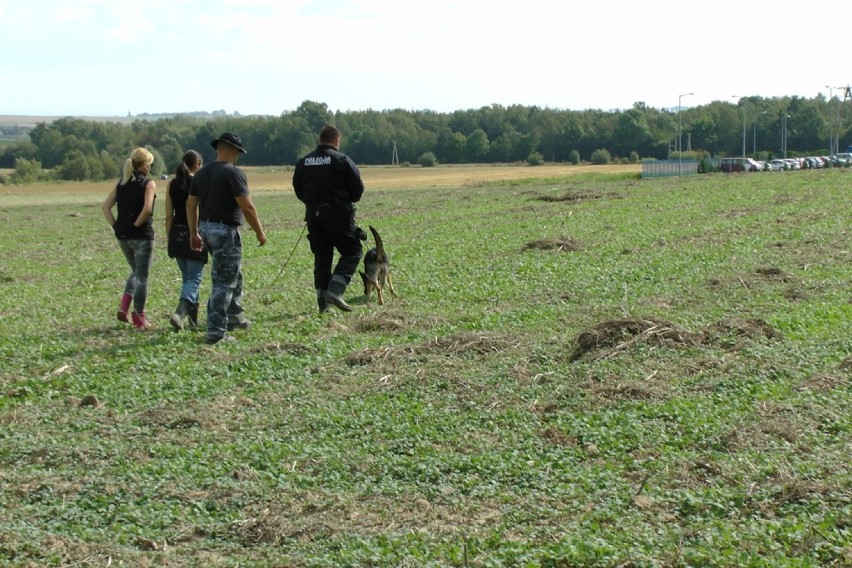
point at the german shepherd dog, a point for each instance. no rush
(376, 272)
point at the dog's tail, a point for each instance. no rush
(380, 247)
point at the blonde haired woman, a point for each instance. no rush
(134, 194)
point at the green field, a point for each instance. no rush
(592, 370)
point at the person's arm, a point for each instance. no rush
(192, 219)
(148, 207)
(250, 213)
(106, 207)
(169, 211)
(355, 185)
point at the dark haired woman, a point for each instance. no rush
(190, 262)
(134, 194)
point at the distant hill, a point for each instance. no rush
(30, 121)
(18, 125)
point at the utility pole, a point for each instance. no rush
(395, 156)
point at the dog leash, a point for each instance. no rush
(286, 262)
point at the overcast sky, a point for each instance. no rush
(114, 57)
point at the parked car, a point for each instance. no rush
(729, 165)
(776, 165)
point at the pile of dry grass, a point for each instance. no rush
(569, 196)
(566, 244)
(745, 329)
(613, 336)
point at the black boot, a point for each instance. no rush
(181, 312)
(334, 294)
(192, 316)
(323, 305)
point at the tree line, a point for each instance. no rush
(77, 149)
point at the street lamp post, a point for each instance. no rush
(744, 121)
(833, 126)
(679, 143)
(754, 133)
(830, 122)
(784, 132)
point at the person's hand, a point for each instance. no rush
(195, 242)
(261, 238)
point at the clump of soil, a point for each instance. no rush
(566, 244)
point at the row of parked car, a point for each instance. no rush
(778, 164)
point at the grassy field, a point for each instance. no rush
(578, 370)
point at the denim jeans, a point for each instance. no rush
(225, 302)
(139, 254)
(191, 271)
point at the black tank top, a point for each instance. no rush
(130, 198)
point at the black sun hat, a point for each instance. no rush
(231, 139)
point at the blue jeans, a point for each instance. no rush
(139, 254)
(225, 302)
(191, 272)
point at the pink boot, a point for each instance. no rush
(140, 321)
(124, 307)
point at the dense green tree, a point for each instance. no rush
(632, 134)
(476, 146)
(70, 148)
(449, 146)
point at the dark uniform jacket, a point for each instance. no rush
(328, 182)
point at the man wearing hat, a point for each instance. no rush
(218, 203)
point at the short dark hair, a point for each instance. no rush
(329, 134)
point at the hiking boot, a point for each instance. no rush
(216, 340)
(177, 318)
(140, 321)
(240, 322)
(124, 307)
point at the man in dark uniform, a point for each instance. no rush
(329, 184)
(217, 205)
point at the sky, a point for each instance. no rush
(119, 58)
